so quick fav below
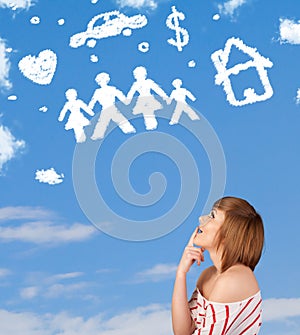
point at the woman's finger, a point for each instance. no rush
(191, 241)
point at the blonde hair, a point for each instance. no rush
(241, 235)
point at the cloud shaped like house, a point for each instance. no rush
(220, 59)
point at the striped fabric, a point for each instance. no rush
(237, 318)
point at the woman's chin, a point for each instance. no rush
(197, 243)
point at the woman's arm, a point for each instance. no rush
(181, 317)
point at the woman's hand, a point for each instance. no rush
(190, 255)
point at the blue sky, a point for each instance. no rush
(70, 262)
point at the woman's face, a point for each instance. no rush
(208, 229)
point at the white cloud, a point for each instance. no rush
(67, 290)
(157, 273)
(230, 6)
(289, 31)
(281, 309)
(64, 276)
(298, 96)
(224, 74)
(152, 319)
(149, 320)
(51, 286)
(4, 65)
(21, 323)
(4, 272)
(137, 3)
(17, 4)
(29, 292)
(49, 176)
(39, 230)
(43, 232)
(9, 146)
(20, 212)
(12, 98)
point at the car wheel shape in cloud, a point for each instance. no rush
(113, 23)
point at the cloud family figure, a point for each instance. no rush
(106, 96)
(76, 121)
(146, 104)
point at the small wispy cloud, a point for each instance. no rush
(4, 66)
(29, 292)
(40, 230)
(230, 6)
(17, 4)
(66, 290)
(9, 145)
(4, 272)
(158, 272)
(64, 276)
(25, 213)
(281, 309)
(289, 31)
(58, 285)
(152, 4)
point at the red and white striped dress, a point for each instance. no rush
(236, 318)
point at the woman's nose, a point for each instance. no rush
(203, 219)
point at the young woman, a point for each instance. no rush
(227, 297)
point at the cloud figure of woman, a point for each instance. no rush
(146, 104)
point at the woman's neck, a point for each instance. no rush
(215, 256)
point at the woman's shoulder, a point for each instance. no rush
(206, 274)
(235, 284)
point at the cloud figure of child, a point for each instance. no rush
(179, 95)
(76, 121)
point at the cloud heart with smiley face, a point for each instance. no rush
(41, 68)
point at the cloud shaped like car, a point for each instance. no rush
(113, 24)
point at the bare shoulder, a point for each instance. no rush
(235, 284)
(205, 276)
